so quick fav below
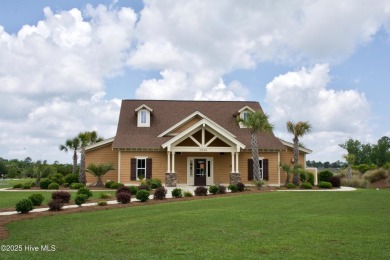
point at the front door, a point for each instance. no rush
(200, 172)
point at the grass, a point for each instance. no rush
(8, 183)
(292, 225)
(8, 199)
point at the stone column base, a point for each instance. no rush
(235, 178)
(170, 179)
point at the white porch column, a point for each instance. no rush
(232, 161)
(237, 163)
(169, 161)
(173, 161)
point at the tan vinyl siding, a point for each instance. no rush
(272, 166)
(103, 154)
(287, 156)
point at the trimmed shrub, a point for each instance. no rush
(55, 205)
(154, 183)
(310, 178)
(63, 196)
(290, 185)
(222, 189)
(85, 191)
(18, 186)
(142, 195)
(159, 193)
(24, 206)
(187, 194)
(240, 186)
(27, 186)
(36, 199)
(76, 186)
(57, 178)
(53, 186)
(116, 185)
(102, 203)
(123, 189)
(123, 197)
(80, 199)
(200, 191)
(144, 186)
(306, 185)
(233, 188)
(133, 189)
(108, 184)
(71, 178)
(325, 185)
(325, 176)
(105, 196)
(214, 189)
(177, 193)
(44, 183)
(335, 181)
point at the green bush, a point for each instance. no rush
(306, 185)
(27, 186)
(325, 185)
(44, 183)
(214, 189)
(364, 167)
(187, 194)
(258, 184)
(102, 203)
(222, 189)
(144, 186)
(116, 185)
(63, 196)
(76, 186)
(18, 186)
(303, 176)
(123, 197)
(57, 178)
(154, 183)
(290, 185)
(55, 205)
(240, 187)
(105, 196)
(200, 191)
(80, 199)
(310, 178)
(85, 191)
(71, 178)
(24, 206)
(133, 189)
(159, 193)
(53, 186)
(177, 193)
(36, 199)
(108, 184)
(142, 195)
(325, 176)
(233, 188)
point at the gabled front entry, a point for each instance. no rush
(200, 172)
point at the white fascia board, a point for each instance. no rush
(142, 107)
(104, 142)
(291, 145)
(246, 108)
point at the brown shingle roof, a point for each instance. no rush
(167, 113)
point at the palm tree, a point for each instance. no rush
(86, 138)
(298, 130)
(288, 170)
(98, 170)
(350, 158)
(74, 145)
(256, 122)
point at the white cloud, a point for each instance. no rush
(334, 115)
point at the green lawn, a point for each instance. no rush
(7, 183)
(9, 199)
(288, 225)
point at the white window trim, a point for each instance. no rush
(139, 118)
(136, 166)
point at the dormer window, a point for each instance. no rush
(143, 116)
(243, 113)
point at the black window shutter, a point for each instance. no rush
(250, 170)
(148, 168)
(133, 169)
(265, 170)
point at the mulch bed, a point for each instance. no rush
(4, 220)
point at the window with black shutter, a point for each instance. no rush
(263, 168)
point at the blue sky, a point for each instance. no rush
(66, 65)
